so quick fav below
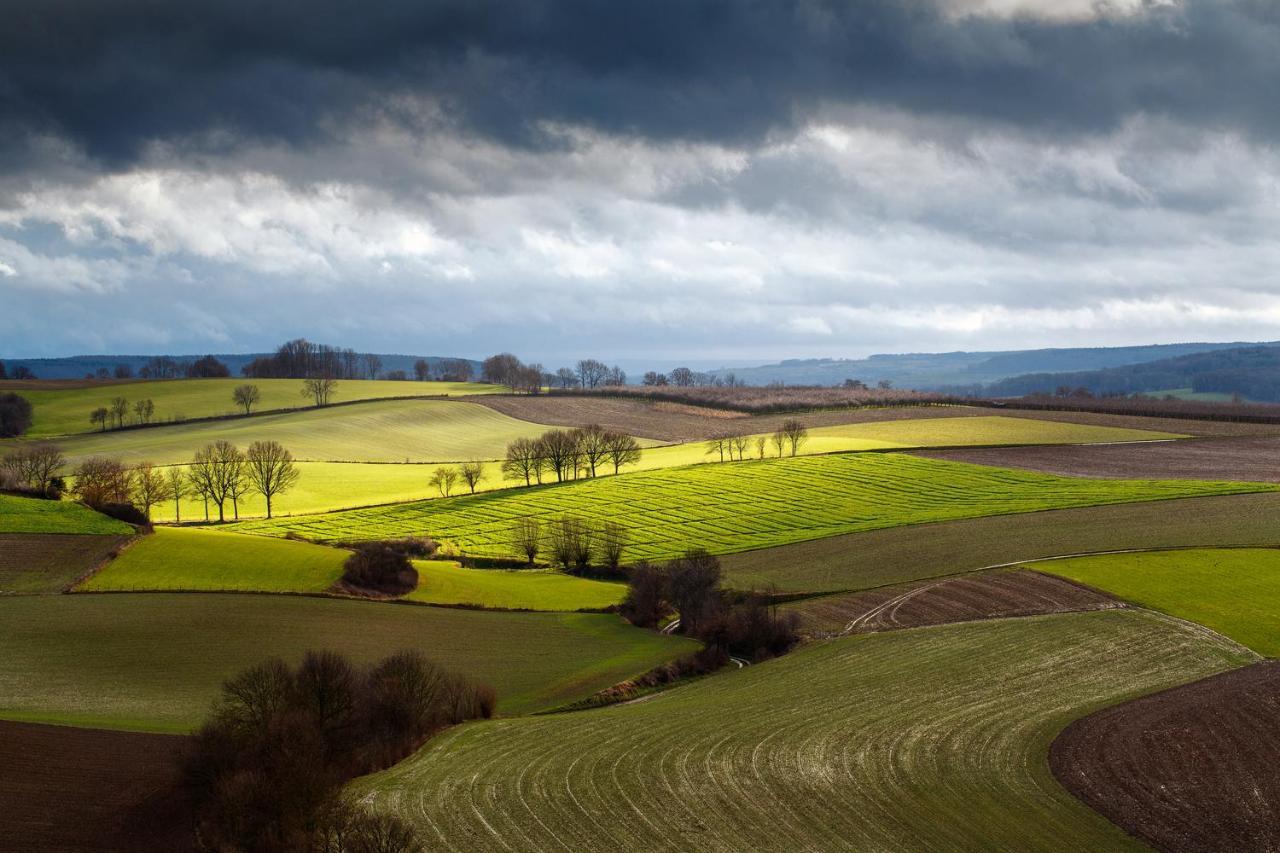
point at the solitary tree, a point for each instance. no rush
(247, 396)
(270, 470)
(621, 449)
(779, 440)
(472, 473)
(526, 536)
(796, 434)
(15, 414)
(444, 478)
(150, 487)
(143, 410)
(119, 410)
(100, 416)
(761, 443)
(319, 389)
(177, 489)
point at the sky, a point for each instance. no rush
(717, 181)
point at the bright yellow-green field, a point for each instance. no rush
(194, 559)
(30, 515)
(1234, 591)
(442, 582)
(379, 431)
(64, 412)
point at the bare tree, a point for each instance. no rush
(566, 377)
(247, 396)
(177, 488)
(593, 444)
(523, 460)
(761, 443)
(621, 449)
(653, 378)
(150, 487)
(472, 473)
(796, 434)
(560, 450)
(613, 540)
(199, 482)
(35, 465)
(319, 389)
(739, 442)
(501, 369)
(779, 440)
(563, 540)
(101, 480)
(681, 376)
(216, 472)
(421, 370)
(526, 536)
(239, 486)
(717, 444)
(270, 470)
(372, 364)
(444, 478)
(119, 410)
(591, 372)
(100, 416)
(584, 546)
(143, 410)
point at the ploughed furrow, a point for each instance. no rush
(742, 506)
(1192, 768)
(960, 598)
(836, 746)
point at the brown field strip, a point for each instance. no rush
(897, 555)
(1189, 769)
(50, 562)
(1244, 458)
(964, 598)
(66, 789)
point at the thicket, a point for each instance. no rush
(265, 773)
(385, 567)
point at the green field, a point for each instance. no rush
(928, 739)
(156, 661)
(66, 412)
(379, 431)
(1236, 592)
(896, 555)
(728, 508)
(45, 563)
(30, 515)
(187, 559)
(441, 582)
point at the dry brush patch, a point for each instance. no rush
(1243, 458)
(1188, 769)
(90, 790)
(836, 746)
(882, 557)
(965, 598)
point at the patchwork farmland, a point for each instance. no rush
(868, 665)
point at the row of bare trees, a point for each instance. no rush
(569, 454)
(446, 477)
(573, 543)
(736, 445)
(221, 472)
(116, 414)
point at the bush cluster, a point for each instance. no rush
(265, 773)
(384, 566)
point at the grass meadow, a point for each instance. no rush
(929, 739)
(444, 582)
(66, 411)
(743, 506)
(1234, 591)
(198, 559)
(155, 661)
(31, 515)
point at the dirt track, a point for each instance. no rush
(1243, 458)
(68, 789)
(965, 598)
(1189, 769)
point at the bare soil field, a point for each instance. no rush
(881, 557)
(1188, 769)
(1241, 458)
(50, 562)
(67, 789)
(965, 598)
(1183, 426)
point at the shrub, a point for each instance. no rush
(382, 567)
(125, 512)
(15, 415)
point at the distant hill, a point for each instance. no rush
(77, 366)
(964, 371)
(1252, 372)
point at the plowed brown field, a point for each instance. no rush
(50, 562)
(1189, 769)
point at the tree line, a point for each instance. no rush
(575, 544)
(736, 444)
(569, 454)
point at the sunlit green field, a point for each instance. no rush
(195, 559)
(380, 431)
(29, 515)
(1234, 591)
(64, 412)
(746, 505)
(443, 582)
(925, 739)
(156, 661)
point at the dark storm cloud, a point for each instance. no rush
(112, 76)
